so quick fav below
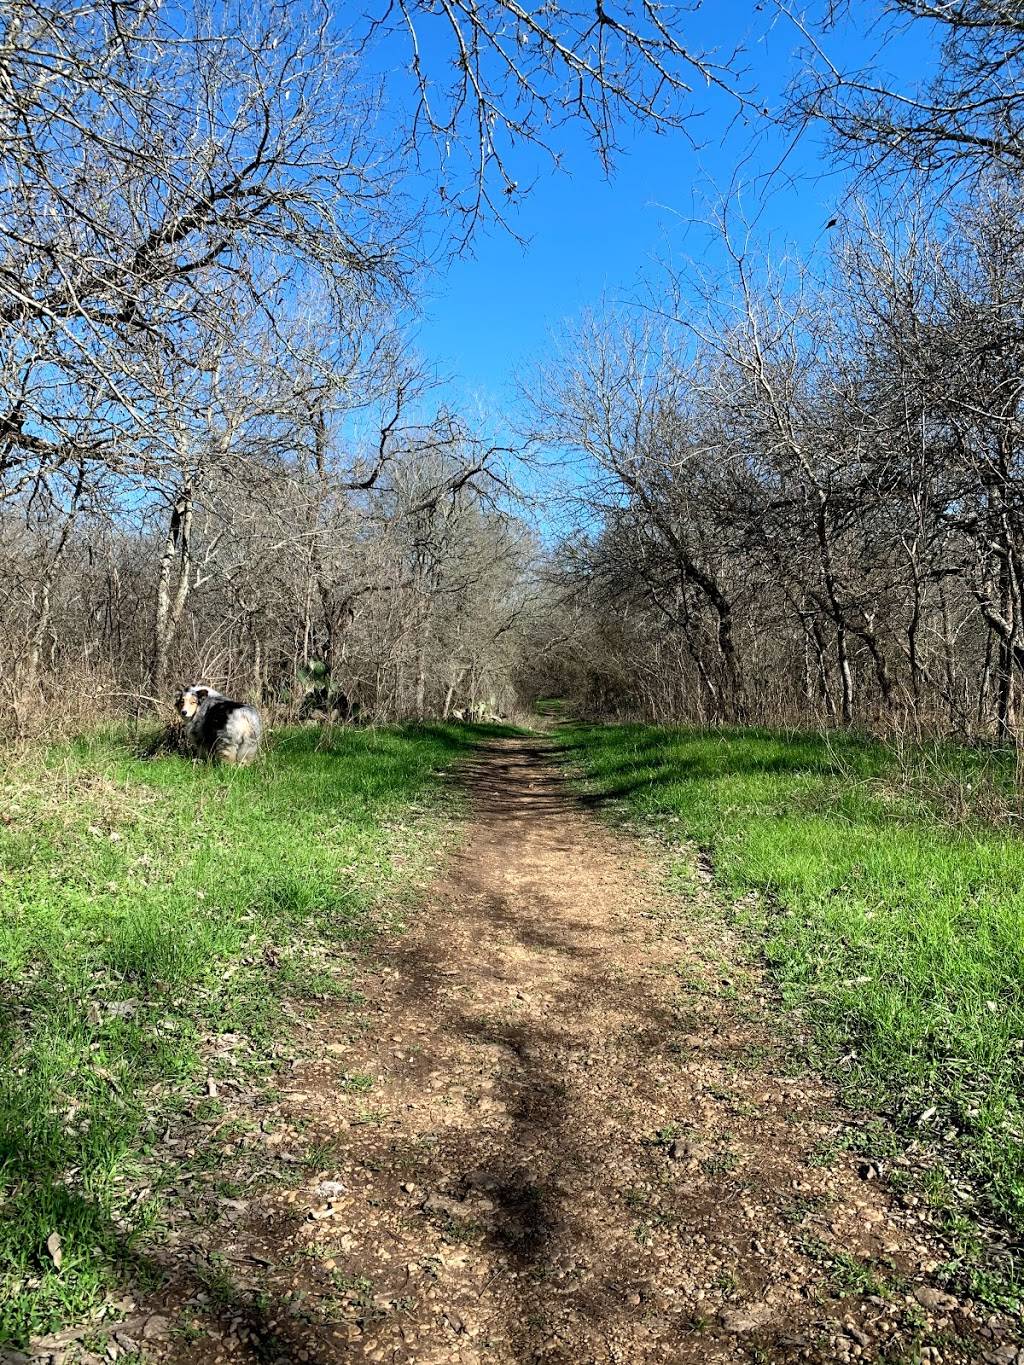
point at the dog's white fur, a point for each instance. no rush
(218, 727)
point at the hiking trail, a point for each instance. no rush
(571, 1133)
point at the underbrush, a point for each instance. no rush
(886, 889)
(154, 915)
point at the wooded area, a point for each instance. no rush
(808, 485)
(412, 1035)
(217, 459)
(797, 492)
(810, 496)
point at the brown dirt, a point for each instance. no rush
(584, 1141)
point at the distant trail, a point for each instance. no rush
(580, 1144)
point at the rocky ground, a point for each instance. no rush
(571, 1132)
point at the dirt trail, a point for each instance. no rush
(581, 1142)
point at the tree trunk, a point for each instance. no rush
(170, 602)
(845, 675)
(30, 679)
(823, 684)
(421, 678)
(257, 667)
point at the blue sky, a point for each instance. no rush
(488, 316)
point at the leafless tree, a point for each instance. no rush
(804, 498)
(213, 222)
(488, 77)
(963, 122)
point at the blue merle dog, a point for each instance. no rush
(217, 727)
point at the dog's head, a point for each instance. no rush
(189, 700)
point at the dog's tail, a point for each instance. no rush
(239, 742)
(251, 735)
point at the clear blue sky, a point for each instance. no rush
(489, 315)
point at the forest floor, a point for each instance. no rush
(567, 1125)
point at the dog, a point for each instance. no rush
(218, 727)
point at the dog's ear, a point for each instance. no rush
(179, 697)
(201, 693)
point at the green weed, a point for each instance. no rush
(356, 1083)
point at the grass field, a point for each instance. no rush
(156, 916)
(889, 901)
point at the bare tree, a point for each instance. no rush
(134, 206)
(805, 499)
(488, 77)
(963, 122)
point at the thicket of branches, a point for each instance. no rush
(216, 457)
(809, 500)
(800, 499)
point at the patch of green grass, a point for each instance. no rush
(356, 1083)
(846, 1274)
(651, 1216)
(887, 892)
(156, 914)
(720, 1163)
(663, 1138)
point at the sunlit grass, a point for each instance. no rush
(147, 905)
(892, 910)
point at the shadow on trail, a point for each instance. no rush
(530, 1167)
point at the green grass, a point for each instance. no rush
(889, 901)
(148, 909)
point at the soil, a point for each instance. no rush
(572, 1131)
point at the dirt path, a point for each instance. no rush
(568, 1135)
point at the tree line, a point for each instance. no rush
(218, 456)
(806, 502)
(797, 491)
